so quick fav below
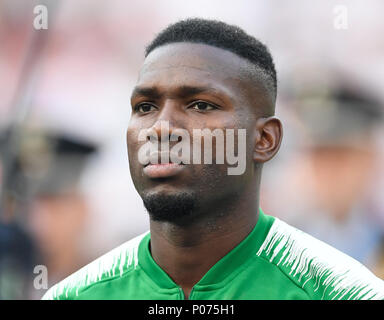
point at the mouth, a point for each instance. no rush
(162, 170)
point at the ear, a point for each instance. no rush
(269, 133)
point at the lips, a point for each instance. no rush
(162, 170)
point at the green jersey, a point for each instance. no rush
(275, 261)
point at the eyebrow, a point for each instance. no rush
(149, 92)
(181, 92)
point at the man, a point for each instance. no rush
(208, 237)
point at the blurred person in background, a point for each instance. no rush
(338, 168)
(59, 209)
(50, 214)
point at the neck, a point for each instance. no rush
(186, 253)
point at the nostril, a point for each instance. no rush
(152, 134)
(152, 137)
(175, 137)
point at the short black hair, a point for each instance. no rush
(222, 35)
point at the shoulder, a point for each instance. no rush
(116, 262)
(321, 270)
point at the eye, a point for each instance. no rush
(144, 108)
(202, 106)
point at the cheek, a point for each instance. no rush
(132, 147)
(132, 135)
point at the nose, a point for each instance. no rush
(166, 124)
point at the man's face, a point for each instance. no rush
(191, 86)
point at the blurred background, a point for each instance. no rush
(66, 191)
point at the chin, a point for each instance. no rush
(175, 206)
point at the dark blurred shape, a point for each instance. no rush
(17, 261)
(46, 164)
(67, 161)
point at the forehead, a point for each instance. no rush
(179, 64)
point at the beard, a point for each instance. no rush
(178, 208)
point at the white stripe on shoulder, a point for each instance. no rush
(313, 262)
(116, 261)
